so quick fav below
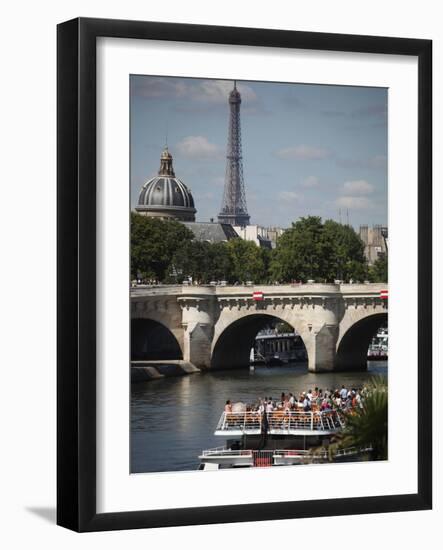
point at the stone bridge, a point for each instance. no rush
(215, 326)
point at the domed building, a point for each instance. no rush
(166, 196)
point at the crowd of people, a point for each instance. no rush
(311, 400)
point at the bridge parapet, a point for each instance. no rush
(155, 290)
(268, 290)
(369, 288)
(272, 290)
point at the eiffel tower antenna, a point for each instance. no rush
(234, 209)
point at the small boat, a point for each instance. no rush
(273, 361)
(255, 358)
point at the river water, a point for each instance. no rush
(173, 419)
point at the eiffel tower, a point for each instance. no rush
(234, 209)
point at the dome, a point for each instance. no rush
(165, 195)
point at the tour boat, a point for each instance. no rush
(277, 438)
(378, 348)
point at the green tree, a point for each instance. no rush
(247, 261)
(311, 249)
(221, 262)
(266, 254)
(153, 245)
(345, 252)
(299, 251)
(368, 426)
(378, 272)
(194, 259)
(204, 262)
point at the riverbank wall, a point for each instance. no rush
(142, 371)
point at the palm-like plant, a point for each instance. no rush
(367, 427)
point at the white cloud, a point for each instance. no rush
(289, 196)
(198, 147)
(358, 187)
(354, 203)
(310, 181)
(304, 152)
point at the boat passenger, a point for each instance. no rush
(228, 406)
(325, 405)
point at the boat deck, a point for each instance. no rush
(279, 423)
(277, 457)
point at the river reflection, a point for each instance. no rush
(173, 419)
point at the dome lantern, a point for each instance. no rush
(166, 168)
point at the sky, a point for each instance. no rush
(307, 149)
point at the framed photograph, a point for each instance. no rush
(244, 274)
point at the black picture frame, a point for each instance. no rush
(76, 264)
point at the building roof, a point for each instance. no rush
(212, 232)
(264, 242)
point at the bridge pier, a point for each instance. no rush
(321, 346)
(197, 345)
(198, 324)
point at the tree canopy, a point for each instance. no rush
(153, 244)
(378, 272)
(203, 261)
(320, 251)
(247, 261)
(166, 251)
(233, 261)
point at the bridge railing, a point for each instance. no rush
(281, 421)
(268, 290)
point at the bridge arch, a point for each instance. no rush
(152, 340)
(352, 348)
(234, 342)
